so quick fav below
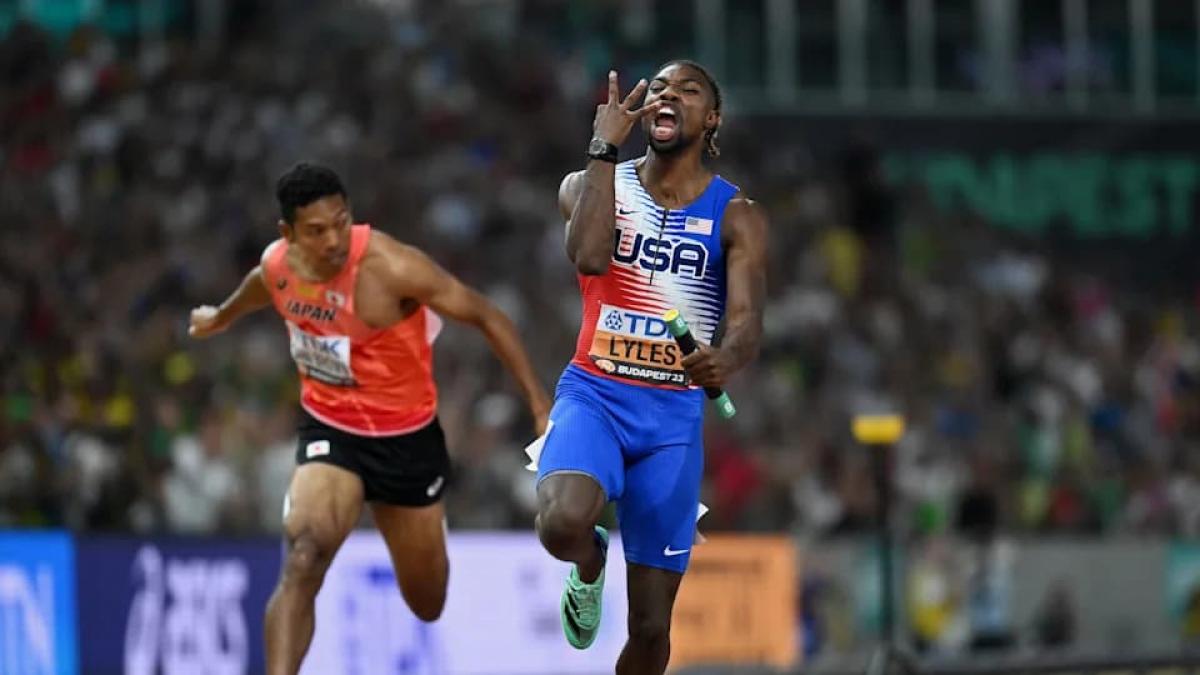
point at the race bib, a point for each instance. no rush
(325, 358)
(637, 346)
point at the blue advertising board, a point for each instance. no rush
(37, 603)
(174, 605)
(501, 613)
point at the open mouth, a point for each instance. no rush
(666, 124)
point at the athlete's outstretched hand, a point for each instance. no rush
(251, 294)
(205, 322)
(615, 119)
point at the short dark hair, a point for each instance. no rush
(710, 136)
(304, 184)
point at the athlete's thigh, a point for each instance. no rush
(659, 508)
(580, 442)
(323, 502)
(416, 541)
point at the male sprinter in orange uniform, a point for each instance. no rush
(355, 302)
(648, 235)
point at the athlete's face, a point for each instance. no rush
(689, 111)
(321, 230)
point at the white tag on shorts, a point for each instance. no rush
(700, 511)
(316, 449)
(534, 449)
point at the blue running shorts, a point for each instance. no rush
(644, 446)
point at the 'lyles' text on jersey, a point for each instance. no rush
(659, 353)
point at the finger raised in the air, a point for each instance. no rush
(635, 95)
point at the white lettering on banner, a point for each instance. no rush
(27, 621)
(373, 601)
(187, 616)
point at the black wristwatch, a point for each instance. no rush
(602, 150)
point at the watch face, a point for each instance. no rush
(598, 146)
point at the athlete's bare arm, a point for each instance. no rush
(252, 294)
(744, 235)
(586, 200)
(586, 197)
(411, 274)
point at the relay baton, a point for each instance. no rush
(687, 344)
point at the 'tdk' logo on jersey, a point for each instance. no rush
(613, 321)
(633, 324)
(676, 255)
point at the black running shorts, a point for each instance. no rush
(406, 470)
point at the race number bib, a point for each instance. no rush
(636, 346)
(325, 358)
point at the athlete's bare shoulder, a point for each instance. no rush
(744, 218)
(263, 269)
(385, 256)
(269, 250)
(397, 266)
(741, 206)
(568, 192)
(384, 248)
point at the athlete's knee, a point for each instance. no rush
(428, 607)
(650, 628)
(426, 597)
(562, 524)
(306, 561)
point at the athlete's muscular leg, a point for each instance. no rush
(651, 599)
(416, 540)
(569, 506)
(325, 502)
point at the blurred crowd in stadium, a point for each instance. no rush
(134, 185)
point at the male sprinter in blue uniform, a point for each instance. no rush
(648, 235)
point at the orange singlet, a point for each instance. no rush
(362, 380)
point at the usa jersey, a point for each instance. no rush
(662, 259)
